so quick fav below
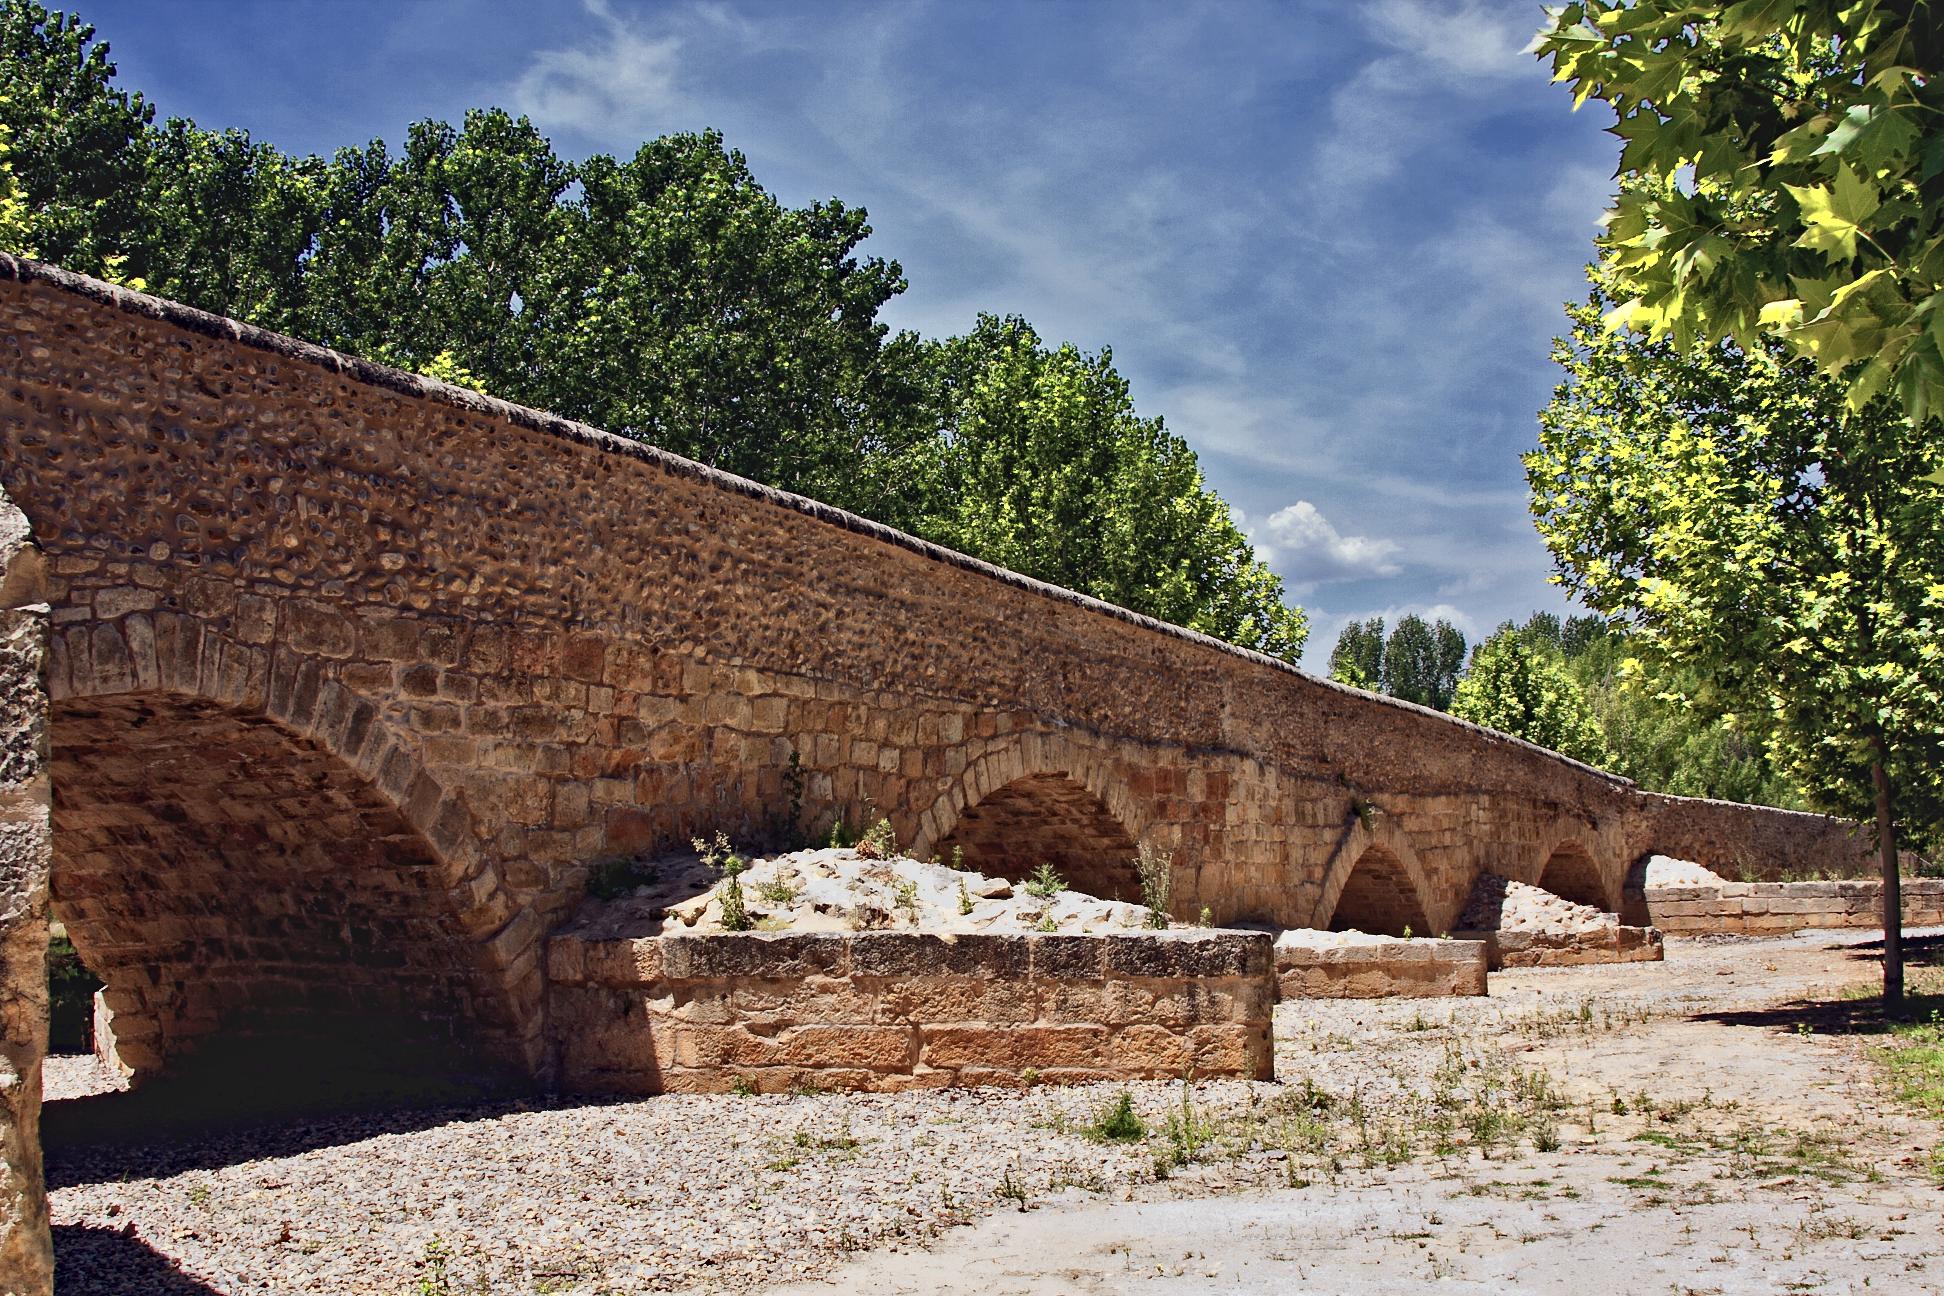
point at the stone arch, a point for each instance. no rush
(1376, 884)
(1570, 871)
(244, 850)
(1040, 800)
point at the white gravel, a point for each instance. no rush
(1499, 904)
(841, 889)
(1666, 871)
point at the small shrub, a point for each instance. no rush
(1045, 883)
(718, 856)
(776, 891)
(879, 841)
(906, 894)
(964, 898)
(1047, 923)
(1118, 1123)
(1156, 874)
(1207, 918)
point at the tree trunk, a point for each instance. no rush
(1893, 978)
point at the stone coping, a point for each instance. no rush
(1524, 949)
(1380, 968)
(577, 959)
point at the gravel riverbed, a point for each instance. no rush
(742, 1193)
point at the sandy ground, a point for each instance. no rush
(1768, 1161)
(1695, 1126)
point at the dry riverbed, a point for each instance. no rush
(1649, 1127)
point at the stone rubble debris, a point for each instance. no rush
(1500, 904)
(1666, 871)
(836, 889)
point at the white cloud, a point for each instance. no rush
(620, 79)
(1307, 550)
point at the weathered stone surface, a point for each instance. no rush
(1765, 908)
(1319, 965)
(454, 654)
(26, 1250)
(885, 1010)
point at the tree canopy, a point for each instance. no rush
(1521, 686)
(667, 296)
(1760, 535)
(1418, 661)
(1042, 465)
(1782, 175)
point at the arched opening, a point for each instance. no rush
(1571, 874)
(253, 905)
(1378, 898)
(1047, 819)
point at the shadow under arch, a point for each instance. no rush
(281, 891)
(1569, 871)
(1047, 818)
(1375, 884)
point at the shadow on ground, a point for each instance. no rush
(252, 1099)
(107, 1262)
(1862, 1014)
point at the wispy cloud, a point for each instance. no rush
(617, 78)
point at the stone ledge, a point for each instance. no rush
(889, 1011)
(1774, 908)
(1520, 949)
(1397, 968)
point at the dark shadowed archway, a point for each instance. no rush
(1050, 819)
(1571, 873)
(1378, 897)
(232, 882)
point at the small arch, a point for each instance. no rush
(1380, 897)
(1571, 873)
(1047, 818)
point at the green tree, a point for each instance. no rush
(1422, 662)
(1753, 530)
(666, 297)
(1521, 686)
(1783, 173)
(1358, 658)
(79, 144)
(1044, 467)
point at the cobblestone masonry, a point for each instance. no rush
(510, 646)
(895, 1010)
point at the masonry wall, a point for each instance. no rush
(1769, 908)
(26, 1249)
(1418, 968)
(543, 647)
(890, 1010)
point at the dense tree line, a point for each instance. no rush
(665, 296)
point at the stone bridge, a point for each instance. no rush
(352, 677)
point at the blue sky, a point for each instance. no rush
(1328, 241)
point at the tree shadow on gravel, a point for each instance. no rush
(108, 1262)
(250, 1101)
(1862, 1015)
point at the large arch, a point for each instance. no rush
(1569, 870)
(245, 852)
(1375, 883)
